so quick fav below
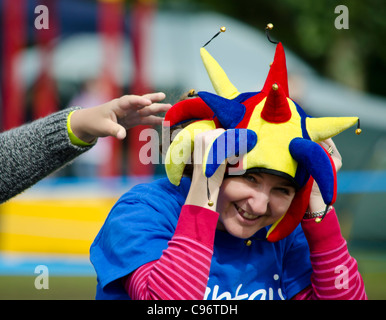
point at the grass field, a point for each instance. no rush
(60, 288)
(372, 266)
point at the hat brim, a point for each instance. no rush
(265, 170)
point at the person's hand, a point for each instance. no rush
(198, 192)
(113, 118)
(316, 201)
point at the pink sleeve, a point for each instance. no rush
(183, 269)
(335, 273)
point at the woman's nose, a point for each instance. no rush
(258, 202)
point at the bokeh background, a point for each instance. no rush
(93, 51)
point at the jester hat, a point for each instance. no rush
(267, 130)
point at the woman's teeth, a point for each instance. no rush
(246, 215)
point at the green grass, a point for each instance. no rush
(375, 284)
(59, 288)
(372, 266)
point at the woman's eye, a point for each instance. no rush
(283, 191)
(250, 178)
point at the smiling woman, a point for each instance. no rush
(233, 229)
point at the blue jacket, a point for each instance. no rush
(142, 222)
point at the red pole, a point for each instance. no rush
(14, 38)
(141, 21)
(111, 27)
(45, 92)
(110, 20)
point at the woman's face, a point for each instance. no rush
(252, 201)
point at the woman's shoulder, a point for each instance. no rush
(157, 203)
(157, 192)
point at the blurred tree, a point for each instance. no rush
(354, 56)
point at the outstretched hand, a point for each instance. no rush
(113, 118)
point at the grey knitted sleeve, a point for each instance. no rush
(32, 151)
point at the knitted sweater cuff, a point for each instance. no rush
(33, 151)
(55, 131)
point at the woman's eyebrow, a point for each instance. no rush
(283, 183)
(286, 184)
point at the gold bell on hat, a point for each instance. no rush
(191, 93)
(222, 29)
(358, 131)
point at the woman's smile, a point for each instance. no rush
(246, 215)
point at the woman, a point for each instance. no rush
(228, 233)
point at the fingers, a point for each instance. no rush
(202, 143)
(120, 133)
(138, 102)
(133, 110)
(328, 143)
(113, 118)
(151, 120)
(331, 148)
(113, 129)
(145, 105)
(155, 97)
(133, 102)
(153, 109)
(204, 140)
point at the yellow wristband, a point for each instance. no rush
(73, 138)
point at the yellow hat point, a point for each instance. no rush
(269, 26)
(223, 29)
(218, 77)
(317, 131)
(275, 86)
